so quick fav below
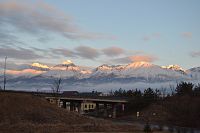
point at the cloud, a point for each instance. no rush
(156, 35)
(78, 52)
(122, 60)
(186, 34)
(195, 54)
(39, 49)
(23, 72)
(87, 52)
(18, 53)
(146, 38)
(151, 36)
(64, 52)
(146, 58)
(8, 39)
(11, 65)
(44, 39)
(135, 58)
(38, 17)
(113, 51)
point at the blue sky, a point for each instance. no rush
(94, 32)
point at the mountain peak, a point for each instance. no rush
(140, 64)
(67, 62)
(195, 69)
(174, 67)
(39, 65)
(104, 67)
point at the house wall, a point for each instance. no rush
(85, 106)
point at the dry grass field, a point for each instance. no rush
(26, 113)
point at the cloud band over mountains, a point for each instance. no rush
(18, 53)
(112, 54)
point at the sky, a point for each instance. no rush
(96, 32)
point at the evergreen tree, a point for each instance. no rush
(149, 94)
(184, 88)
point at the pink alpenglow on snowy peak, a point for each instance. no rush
(32, 70)
(140, 64)
(139, 73)
(39, 65)
(175, 68)
(67, 62)
(69, 69)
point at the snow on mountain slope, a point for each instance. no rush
(28, 70)
(194, 73)
(148, 70)
(106, 70)
(138, 70)
(133, 72)
(142, 64)
(39, 66)
(67, 70)
(137, 74)
(175, 68)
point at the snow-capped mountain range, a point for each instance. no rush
(136, 72)
(144, 70)
(67, 70)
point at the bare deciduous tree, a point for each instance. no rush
(56, 86)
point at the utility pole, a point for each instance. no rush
(4, 83)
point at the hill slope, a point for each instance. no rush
(28, 113)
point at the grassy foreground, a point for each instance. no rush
(26, 113)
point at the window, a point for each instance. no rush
(85, 105)
(51, 101)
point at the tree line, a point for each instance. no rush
(182, 104)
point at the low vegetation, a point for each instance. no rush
(26, 113)
(184, 105)
(180, 108)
